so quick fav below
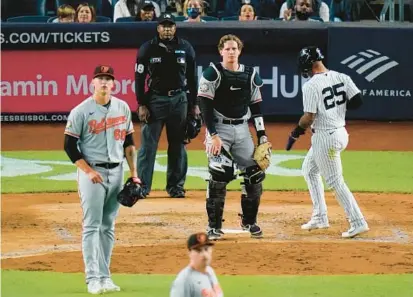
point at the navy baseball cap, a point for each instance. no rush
(166, 18)
(102, 70)
(147, 4)
(197, 240)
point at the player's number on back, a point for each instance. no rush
(334, 95)
(120, 134)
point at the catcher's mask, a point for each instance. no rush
(306, 58)
(192, 128)
(221, 167)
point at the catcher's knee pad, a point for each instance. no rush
(221, 167)
(250, 202)
(215, 202)
(253, 175)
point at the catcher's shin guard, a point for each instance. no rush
(250, 202)
(215, 203)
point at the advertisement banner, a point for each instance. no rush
(379, 62)
(39, 82)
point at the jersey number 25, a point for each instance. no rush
(334, 95)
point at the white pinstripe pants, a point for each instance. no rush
(324, 160)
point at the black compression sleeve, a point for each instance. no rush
(355, 102)
(207, 110)
(128, 141)
(71, 150)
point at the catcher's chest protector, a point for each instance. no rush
(233, 95)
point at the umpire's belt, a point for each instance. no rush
(107, 165)
(169, 93)
(231, 122)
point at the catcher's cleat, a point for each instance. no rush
(214, 234)
(254, 230)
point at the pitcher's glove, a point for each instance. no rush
(131, 192)
(262, 155)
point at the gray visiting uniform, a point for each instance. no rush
(101, 132)
(192, 283)
(236, 139)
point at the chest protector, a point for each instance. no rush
(233, 96)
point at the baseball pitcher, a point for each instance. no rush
(97, 136)
(198, 279)
(326, 97)
(230, 95)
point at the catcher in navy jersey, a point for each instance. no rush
(230, 95)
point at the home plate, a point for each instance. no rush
(233, 231)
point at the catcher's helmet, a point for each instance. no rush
(307, 57)
(193, 127)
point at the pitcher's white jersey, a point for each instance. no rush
(326, 94)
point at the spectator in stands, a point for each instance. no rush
(85, 13)
(65, 14)
(193, 11)
(128, 8)
(318, 9)
(247, 13)
(146, 12)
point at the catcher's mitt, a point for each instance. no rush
(131, 192)
(262, 155)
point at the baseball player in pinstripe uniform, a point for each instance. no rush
(98, 135)
(326, 97)
(230, 95)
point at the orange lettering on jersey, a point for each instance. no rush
(210, 292)
(96, 127)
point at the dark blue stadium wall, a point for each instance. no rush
(376, 57)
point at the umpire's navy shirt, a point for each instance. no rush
(170, 65)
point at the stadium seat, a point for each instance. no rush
(179, 18)
(209, 18)
(103, 19)
(14, 8)
(317, 18)
(28, 19)
(263, 18)
(230, 18)
(125, 19)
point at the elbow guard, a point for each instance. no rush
(355, 102)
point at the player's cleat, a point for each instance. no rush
(353, 231)
(254, 230)
(214, 234)
(109, 286)
(94, 287)
(311, 225)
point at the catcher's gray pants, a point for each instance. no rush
(238, 141)
(100, 209)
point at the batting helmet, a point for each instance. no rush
(306, 59)
(193, 127)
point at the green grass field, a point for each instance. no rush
(47, 284)
(363, 171)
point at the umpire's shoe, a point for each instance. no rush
(177, 193)
(253, 229)
(214, 234)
